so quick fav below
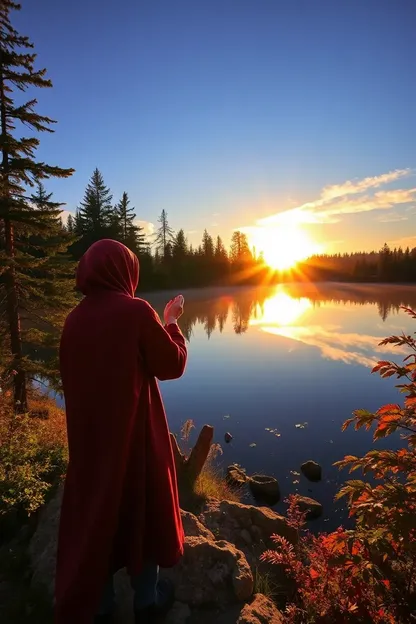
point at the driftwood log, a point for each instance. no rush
(188, 468)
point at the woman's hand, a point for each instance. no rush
(173, 310)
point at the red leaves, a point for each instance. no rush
(314, 573)
(380, 365)
(386, 583)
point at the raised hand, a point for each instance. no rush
(173, 310)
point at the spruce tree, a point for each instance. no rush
(95, 214)
(164, 236)
(20, 170)
(70, 224)
(129, 233)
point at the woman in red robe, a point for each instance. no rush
(120, 506)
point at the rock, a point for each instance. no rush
(179, 614)
(228, 437)
(211, 573)
(265, 489)
(260, 611)
(256, 533)
(312, 470)
(194, 528)
(222, 518)
(43, 545)
(236, 476)
(246, 537)
(312, 508)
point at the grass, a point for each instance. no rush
(211, 484)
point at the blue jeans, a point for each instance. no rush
(144, 586)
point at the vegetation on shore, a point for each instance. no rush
(367, 574)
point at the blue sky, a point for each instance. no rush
(226, 112)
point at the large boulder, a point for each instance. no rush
(231, 522)
(211, 573)
(260, 611)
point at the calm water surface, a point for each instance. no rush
(273, 358)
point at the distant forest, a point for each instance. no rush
(167, 260)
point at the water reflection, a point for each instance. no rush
(307, 314)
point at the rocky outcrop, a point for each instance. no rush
(211, 572)
(233, 522)
(260, 611)
(312, 470)
(310, 506)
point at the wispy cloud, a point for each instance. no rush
(360, 186)
(349, 348)
(392, 217)
(351, 197)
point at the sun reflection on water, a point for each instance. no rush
(279, 310)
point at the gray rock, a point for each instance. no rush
(312, 508)
(265, 489)
(312, 470)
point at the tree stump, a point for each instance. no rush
(189, 468)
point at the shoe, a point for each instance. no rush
(156, 612)
(104, 619)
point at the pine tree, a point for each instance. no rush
(130, 234)
(240, 250)
(180, 247)
(96, 214)
(208, 245)
(220, 251)
(70, 224)
(164, 236)
(19, 170)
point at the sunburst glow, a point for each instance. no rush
(283, 246)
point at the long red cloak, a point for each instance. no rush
(120, 504)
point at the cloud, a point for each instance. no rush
(351, 197)
(392, 217)
(351, 188)
(349, 348)
(148, 226)
(65, 214)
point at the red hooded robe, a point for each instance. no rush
(120, 504)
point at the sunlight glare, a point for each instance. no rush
(283, 246)
(281, 310)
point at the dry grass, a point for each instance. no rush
(211, 484)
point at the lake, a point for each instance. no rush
(264, 360)
(281, 369)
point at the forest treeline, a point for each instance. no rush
(168, 260)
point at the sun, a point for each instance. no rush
(283, 246)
